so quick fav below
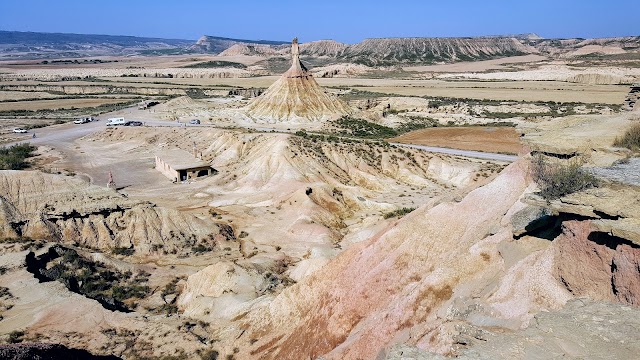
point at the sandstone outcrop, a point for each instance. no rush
(220, 288)
(250, 50)
(442, 283)
(601, 79)
(577, 134)
(631, 101)
(68, 210)
(340, 70)
(583, 329)
(391, 285)
(97, 89)
(296, 97)
(597, 265)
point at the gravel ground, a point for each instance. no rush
(626, 172)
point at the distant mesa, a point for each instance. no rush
(217, 44)
(369, 52)
(296, 97)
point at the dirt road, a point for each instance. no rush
(95, 163)
(64, 134)
(467, 153)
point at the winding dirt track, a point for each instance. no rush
(465, 153)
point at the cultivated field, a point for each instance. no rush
(493, 64)
(488, 139)
(57, 104)
(24, 95)
(495, 90)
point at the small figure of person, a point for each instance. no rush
(33, 136)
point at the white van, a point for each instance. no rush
(115, 121)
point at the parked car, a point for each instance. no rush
(82, 121)
(116, 121)
(133, 123)
(20, 131)
(194, 122)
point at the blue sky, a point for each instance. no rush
(346, 21)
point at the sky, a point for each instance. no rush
(345, 21)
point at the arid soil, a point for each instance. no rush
(319, 239)
(488, 139)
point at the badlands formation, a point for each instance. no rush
(333, 226)
(296, 97)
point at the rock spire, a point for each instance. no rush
(296, 97)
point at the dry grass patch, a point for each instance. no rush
(630, 139)
(557, 180)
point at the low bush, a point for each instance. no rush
(14, 157)
(15, 336)
(215, 64)
(113, 289)
(630, 139)
(201, 248)
(209, 355)
(557, 180)
(361, 128)
(123, 251)
(399, 212)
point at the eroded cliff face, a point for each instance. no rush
(444, 278)
(393, 51)
(429, 50)
(393, 286)
(79, 74)
(597, 265)
(68, 210)
(577, 47)
(86, 90)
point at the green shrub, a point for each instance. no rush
(364, 129)
(416, 123)
(168, 309)
(209, 355)
(124, 292)
(5, 293)
(123, 251)
(399, 212)
(94, 280)
(201, 248)
(16, 336)
(215, 64)
(14, 157)
(558, 180)
(630, 139)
